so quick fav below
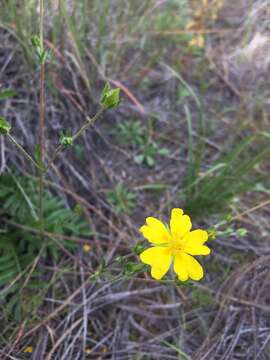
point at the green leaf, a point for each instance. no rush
(152, 187)
(38, 155)
(150, 161)
(78, 209)
(36, 42)
(164, 152)
(5, 127)
(105, 90)
(138, 248)
(132, 268)
(19, 248)
(42, 54)
(139, 159)
(6, 94)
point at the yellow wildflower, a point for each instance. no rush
(28, 349)
(174, 245)
(87, 248)
(197, 41)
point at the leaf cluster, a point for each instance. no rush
(19, 247)
(122, 199)
(138, 137)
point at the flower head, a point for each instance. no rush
(177, 244)
(28, 349)
(197, 41)
(87, 248)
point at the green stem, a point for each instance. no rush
(89, 122)
(41, 122)
(24, 152)
(54, 156)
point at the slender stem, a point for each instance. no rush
(54, 156)
(89, 122)
(41, 122)
(24, 152)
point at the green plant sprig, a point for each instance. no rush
(109, 98)
(89, 122)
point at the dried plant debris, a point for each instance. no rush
(243, 319)
(243, 55)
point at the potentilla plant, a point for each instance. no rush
(176, 244)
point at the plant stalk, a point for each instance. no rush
(41, 122)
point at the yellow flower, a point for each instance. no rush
(197, 41)
(174, 245)
(28, 349)
(87, 248)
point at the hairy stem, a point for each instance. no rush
(89, 123)
(41, 122)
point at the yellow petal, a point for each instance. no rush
(193, 243)
(155, 231)
(197, 236)
(155, 224)
(194, 268)
(180, 224)
(197, 250)
(187, 266)
(157, 272)
(180, 267)
(159, 258)
(177, 212)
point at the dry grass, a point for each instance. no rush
(121, 317)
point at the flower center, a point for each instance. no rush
(176, 245)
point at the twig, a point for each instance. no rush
(259, 206)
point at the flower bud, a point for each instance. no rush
(242, 232)
(5, 127)
(110, 97)
(66, 141)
